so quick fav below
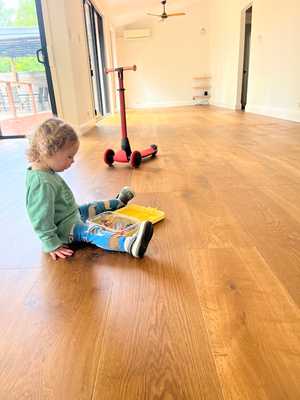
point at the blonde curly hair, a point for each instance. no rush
(49, 138)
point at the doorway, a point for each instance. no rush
(26, 89)
(97, 58)
(247, 44)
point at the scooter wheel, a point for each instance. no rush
(154, 147)
(135, 159)
(109, 157)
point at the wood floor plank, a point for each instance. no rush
(253, 324)
(211, 312)
(275, 233)
(287, 197)
(156, 342)
(15, 285)
(51, 347)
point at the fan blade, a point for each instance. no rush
(176, 14)
(154, 15)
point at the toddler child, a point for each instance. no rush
(52, 210)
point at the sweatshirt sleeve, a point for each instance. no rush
(40, 207)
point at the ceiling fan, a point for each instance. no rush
(164, 15)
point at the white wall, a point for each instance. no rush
(274, 83)
(166, 61)
(66, 39)
(177, 51)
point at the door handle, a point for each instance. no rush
(40, 53)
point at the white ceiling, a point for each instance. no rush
(125, 12)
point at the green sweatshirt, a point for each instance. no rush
(51, 208)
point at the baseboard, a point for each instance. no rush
(223, 105)
(282, 113)
(84, 128)
(163, 104)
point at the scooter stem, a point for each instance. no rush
(121, 91)
(124, 142)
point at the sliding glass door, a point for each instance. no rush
(96, 47)
(26, 90)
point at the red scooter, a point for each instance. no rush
(125, 155)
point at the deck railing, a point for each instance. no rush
(19, 97)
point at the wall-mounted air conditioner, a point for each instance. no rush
(136, 33)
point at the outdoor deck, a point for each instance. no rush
(22, 125)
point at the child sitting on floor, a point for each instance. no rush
(53, 212)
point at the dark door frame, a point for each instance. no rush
(247, 44)
(44, 51)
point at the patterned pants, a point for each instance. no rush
(95, 234)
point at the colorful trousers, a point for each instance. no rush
(95, 234)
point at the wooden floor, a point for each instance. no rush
(212, 311)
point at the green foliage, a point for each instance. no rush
(23, 64)
(23, 16)
(28, 64)
(4, 64)
(26, 14)
(6, 15)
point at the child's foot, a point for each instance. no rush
(137, 244)
(125, 195)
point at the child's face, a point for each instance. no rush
(64, 158)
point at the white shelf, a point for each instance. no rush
(201, 97)
(202, 88)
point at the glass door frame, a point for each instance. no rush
(44, 52)
(97, 58)
(42, 57)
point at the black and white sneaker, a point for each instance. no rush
(125, 195)
(138, 243)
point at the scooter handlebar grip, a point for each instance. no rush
(131, 68)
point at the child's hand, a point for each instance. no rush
(61, 252)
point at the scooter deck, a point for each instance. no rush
(121, 155)
(148, 152)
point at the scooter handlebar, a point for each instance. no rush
(131, 68)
